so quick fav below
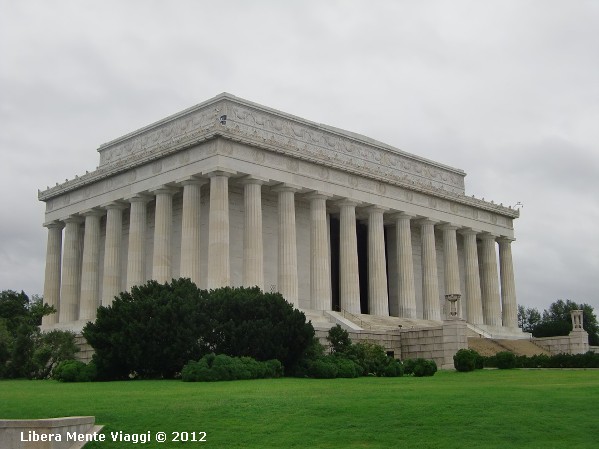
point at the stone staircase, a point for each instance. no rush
(488, 347)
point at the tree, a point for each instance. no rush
(24, 350)
(556, 320)
(247, 322)
(157, 328)
(339, 340)
(150, 331)
(528, 318)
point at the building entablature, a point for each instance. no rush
(272, 132)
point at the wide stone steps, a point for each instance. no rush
(488, 347)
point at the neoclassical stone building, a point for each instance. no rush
(230, 192)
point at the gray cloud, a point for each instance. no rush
(506, 90)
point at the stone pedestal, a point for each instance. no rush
(455, 337)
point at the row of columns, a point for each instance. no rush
(75, 292)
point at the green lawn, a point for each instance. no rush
(484, 409)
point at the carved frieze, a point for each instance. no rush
(270, 132)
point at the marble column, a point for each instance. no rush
(52, 274)
(320, 268)
(473, 301)
(287, 277)
(90, 266)
(219, 268)
(489, 281)
(406, 292)
(71, 272)
(253, 246)
(378, 297)
(190, 230)
(349, 278)
(450, 261)
(111, 283)
(136, 256)
(163, 223)
(508, 287)
(430, 284)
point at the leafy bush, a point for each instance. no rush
(423, 368)
(156, 328)
(74, 371)
(465, 360)
(371, 357)
(211, 368)
(505, 360)
(339, 340)
(323, 368)
(20, 337)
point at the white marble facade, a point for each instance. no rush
(230, 192)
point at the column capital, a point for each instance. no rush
(448, 227)
(138, 198)
(164, 189)
(469, 231)
(251, 179)
(401, 216)
(114, 205)
(427, 221)
(54, 224)
(219, 171)
(192, 180)
(374, 208)
(317, 195)
(347, 202)
(73, 219)
(504, 239)
(487, 236)
(93, 212)
(285, 187)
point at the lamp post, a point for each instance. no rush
(453, 298)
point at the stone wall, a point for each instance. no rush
(14, 431)
(85, 350)
(434, 343)
(575, 343)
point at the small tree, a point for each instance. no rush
(339, 340)
(19, 333)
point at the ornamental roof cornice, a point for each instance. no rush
(239, 120)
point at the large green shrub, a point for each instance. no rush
(423, 368)
(211, 368)
(465, 360)
(74, 371)
(156, 328)
(505, 360)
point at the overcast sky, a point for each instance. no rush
(508, 91)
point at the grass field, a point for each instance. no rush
(484, 409)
